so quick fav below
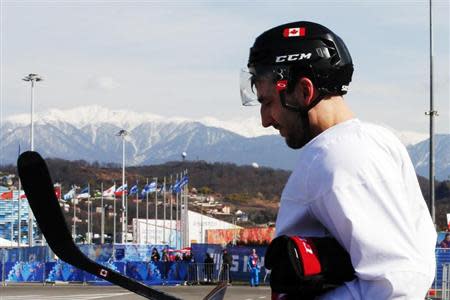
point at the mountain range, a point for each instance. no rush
(89, 133)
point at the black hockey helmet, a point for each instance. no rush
(298, 48)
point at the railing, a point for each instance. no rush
(445, 281)
(206, 273)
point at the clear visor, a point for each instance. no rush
(247, 89)
(248, 78)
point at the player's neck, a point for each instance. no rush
(328, 113)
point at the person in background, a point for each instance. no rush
(165, 265)
(209, 264)
(155, 255)
(227, 262)
(253, 267)
(445, 242)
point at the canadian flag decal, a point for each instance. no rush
(292, 32)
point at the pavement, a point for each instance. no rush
(86, 292)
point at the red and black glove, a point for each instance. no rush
(303, 268)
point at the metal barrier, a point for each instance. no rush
(445, 281)
(225, 274)
(201, 273)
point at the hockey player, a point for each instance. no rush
(352, 202)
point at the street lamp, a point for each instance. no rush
(32, 78)
(122, 133)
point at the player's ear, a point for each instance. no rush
(304, 91)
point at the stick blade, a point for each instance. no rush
(218, 293)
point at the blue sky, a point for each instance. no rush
(182, 58)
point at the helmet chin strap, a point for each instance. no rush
(302, 111)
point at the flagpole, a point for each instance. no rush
(137, 214)
(102, 218)
(19, 219)
(89, 218)
(183, 195)
(180, 194)
(177, 227)
(156, 210)
(182, 216)
(126, 212)
(186, 189)
(171, 210)
(146, 215)
(91, 214)
(164, 212)
(114, 219)
(74, 228)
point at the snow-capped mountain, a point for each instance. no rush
(89, 133)
(95, 114)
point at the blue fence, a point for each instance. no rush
(39, 264)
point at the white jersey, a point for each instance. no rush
(355, 182)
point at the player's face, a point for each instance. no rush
(288, 123)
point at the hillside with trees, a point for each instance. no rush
(253, 190)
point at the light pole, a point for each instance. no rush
(432, 113)
(32, 78)
(122, 133)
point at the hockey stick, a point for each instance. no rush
(38, 187)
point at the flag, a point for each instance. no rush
(180, 184)
(293, 32)
(121, 190)
(97, 194)
(149, 188)
(133, 190)
(57, 188)
(448, 221)
(84, 194)
(70, 194)
(109, 193)
(6, 195)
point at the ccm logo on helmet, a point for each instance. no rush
(292, 57)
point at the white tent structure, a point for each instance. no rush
(7, 243)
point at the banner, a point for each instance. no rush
(24, 272)
(252, 236)
(61, 271)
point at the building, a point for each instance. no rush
(198, 224)
(9, 218)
